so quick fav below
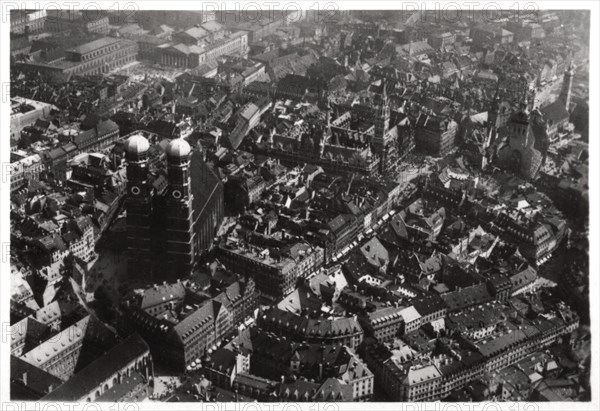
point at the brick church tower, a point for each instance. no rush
(179, 226)
(138, 206)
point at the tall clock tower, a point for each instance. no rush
(180, 226)
(381, 121)
(138, 205)
(567, 87)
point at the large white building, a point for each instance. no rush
(24, 112)
(200, 45)
(26, 168)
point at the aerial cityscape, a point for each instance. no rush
(351, 206)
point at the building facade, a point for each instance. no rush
(434, 135)
(27, 21)
(67, 20)
(96, 57)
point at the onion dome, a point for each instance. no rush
(136, 145)
(178, 148)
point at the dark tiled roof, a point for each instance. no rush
(88, 379)
(205, 185)
(467, 297)
(162, 293)
(38, 384)
(95, 45)
(208, 312)
(555, 112)
(118, 391)
(333, 390)
(222, 360)
(298, 390)
(524, 278)
(429, 304)
(312, 327)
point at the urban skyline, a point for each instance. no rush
(301, 206)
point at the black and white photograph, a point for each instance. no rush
(299, 205)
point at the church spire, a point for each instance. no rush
(567, 86)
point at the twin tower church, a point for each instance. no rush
(174, 206)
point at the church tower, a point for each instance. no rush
(180, 228)
(326, 137)
(530, 99)
(382, 121)
(138, 204)
(494, 110)
(567, 87)
(381, 145)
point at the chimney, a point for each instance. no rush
(24, 379)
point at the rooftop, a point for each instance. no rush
(94, 45)
(88, 379)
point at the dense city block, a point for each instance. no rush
(365, 207)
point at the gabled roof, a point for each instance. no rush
(117, 392)
(94, 45)
(25, 378)
(64, 341)
(298, 390)
(524, 278)
(467, 297)
(222, 360)
(161, 294)
(312, 327)
(418, 375)
(554, 112)
(31, 331)
(212, 26)
(333, 390)
(103, 368)
(410, 314)
(185, 328)
(196, 32)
